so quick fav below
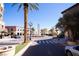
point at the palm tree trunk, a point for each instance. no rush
(25, 21)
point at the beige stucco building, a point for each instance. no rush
(2, 24)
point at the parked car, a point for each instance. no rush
(54, 37)
(15, 36)
(72, 50)
(60, 36)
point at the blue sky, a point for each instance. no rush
(47, 15)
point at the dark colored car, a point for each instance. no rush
(15, 36)
(61, 36)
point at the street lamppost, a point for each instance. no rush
(30, 25)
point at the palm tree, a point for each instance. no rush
(26, 7)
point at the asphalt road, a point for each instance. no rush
(45, 48)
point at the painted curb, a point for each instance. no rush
(23, 50)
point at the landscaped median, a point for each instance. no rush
(21, 48)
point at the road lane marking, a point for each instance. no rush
(51, 42)
(47, 42)
(43, 42)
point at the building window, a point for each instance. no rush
(2, 26)
(11, 29)
(17, 33)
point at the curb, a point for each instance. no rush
(23, 50)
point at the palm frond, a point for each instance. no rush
(13, 4)
(37, 4)
(19, 7)
(33, 6)
(19, 4)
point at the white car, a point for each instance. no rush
(72, 50)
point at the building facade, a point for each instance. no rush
(19, 30)
(11, 30)
(15, 30)
(44, 31)
(2, 24)
(71, 11)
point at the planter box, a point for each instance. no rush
(8, 51)
(71, 43)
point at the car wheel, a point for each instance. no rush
(68, 53)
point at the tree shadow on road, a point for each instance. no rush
(45, 50)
